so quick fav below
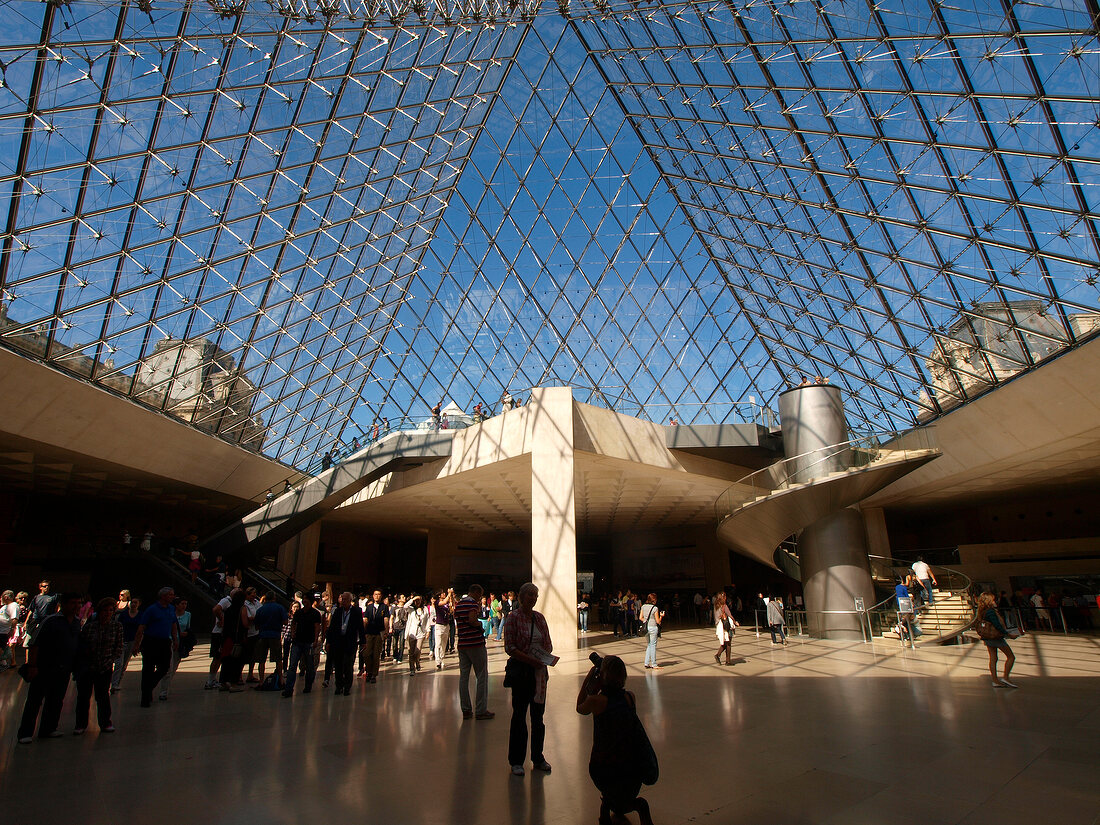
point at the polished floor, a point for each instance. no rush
(817, 732)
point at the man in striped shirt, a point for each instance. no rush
(472, 654)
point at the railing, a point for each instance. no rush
(884, 615)
(818, 463)
(268, 577)
(1064, 619)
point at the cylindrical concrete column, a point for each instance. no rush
(832, 553)
(812, 418)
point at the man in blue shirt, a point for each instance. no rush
(158, 636)
(269, 621)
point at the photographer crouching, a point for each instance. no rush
(622, 758)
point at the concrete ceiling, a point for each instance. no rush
(613, 495)
(1036, 433)
(33, 467)
(71, 422)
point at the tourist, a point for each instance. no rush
(18, 640)
(9, 618)
(156, 640)
(305, 636)
(528, 645)
(215, 576)
(41, 606)
(507, 603)
(724, 625)
(183, 649)
(129, 618)
(615, 764)
(235, 621)
(452, 634)
(269, 621)
(51, 655)
(651, 622)
(495, 616)
(376, 624)
(629, 614)
(288, 626)
(582, 612)
(1042, 613)
(217, 637)
(472, 655)
(101, 644)
(251, 606)
(123, 602)
(416, 630)
(776, 621)
(342, 641)
(442, 619)
(926, 578)
(614, 609)
(992, 631)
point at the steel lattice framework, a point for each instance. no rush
(282, 221)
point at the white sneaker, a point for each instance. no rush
(26, 740)
(517, 770)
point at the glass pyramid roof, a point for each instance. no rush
(286, 221)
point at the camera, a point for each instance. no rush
(595, 658)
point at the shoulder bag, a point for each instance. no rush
(987, 632)
(520, 675)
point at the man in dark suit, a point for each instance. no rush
(345, 634)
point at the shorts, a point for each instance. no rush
(271, 648)
(216, 645)
(1000, 644)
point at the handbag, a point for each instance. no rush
(987, 631)
(727, 625)
(520, 675)
(231, 649)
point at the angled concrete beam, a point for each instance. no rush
(285, 516)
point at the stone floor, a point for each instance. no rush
(817, 732)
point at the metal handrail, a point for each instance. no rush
(867, 448)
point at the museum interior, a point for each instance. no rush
(772, 299)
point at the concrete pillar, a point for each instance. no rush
(832, 553)
(437, 566)
(298, 556)
(553, 512)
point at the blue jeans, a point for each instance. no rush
(498, 627)
(777, 629)
(927, 585)
(584, 620)
(302, 654)
(651, 648)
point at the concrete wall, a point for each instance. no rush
(986, 562)
(500, 560)
(633, 564)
